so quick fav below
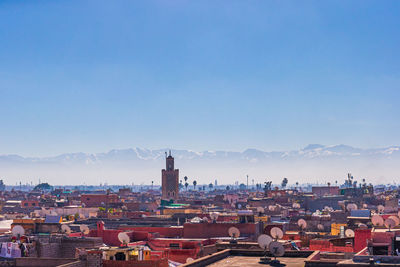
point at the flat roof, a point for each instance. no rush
(236, 261)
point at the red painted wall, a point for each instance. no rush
(207, 230)
(360, 239)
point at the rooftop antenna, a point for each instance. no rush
(165, 154)
(263, 242)
(234, 233)
(170, 152)
(124, 239)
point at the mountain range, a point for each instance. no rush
(314, 163)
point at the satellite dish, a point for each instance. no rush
(84, 229)
(205, 219)
(377, 220)
(381, 208)
(362, 226)
(302, 224)
(349, 233)
(276, 233)
(65, 229)
(365, 206)
(395, 218)
(271, 208)
(351, 206)
(260, 210)
(296, 205)
(276, 249)
(390, 223)
(234, 232)
(320, 227)
(264, 241)
(247, 206)
(123, 238)
(189, 260)
(214, 216)
(18, 231)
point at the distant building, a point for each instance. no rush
(2, 185)
(170, 180)
(321, 191)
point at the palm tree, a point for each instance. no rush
(284, 182)
(186, 185)
(210, 186)
(194, 184)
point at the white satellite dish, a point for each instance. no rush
(234, 232)
(365, 206)
(18, 231)
(276, 249)
(390, 223)
(271, 207)
(260, 210)
(84, 229)
(264, 241)
(65, 229)
(124, 238)
(351, 206)
(214, 216)
(362, 226)
(189, 260)
(395, 218)
(349, 233)
(302, 224)
(377, 220)
(205, 219)
(320, 227)
(296, 205)
(276, 232)
(381, 208)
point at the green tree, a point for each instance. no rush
(194, 184)
(284, 182)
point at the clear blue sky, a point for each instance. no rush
(95, 75)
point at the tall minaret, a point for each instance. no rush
(170, 179)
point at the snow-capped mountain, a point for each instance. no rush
(137, 164)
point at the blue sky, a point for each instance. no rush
(91, 76)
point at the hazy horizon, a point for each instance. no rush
(92, 76)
